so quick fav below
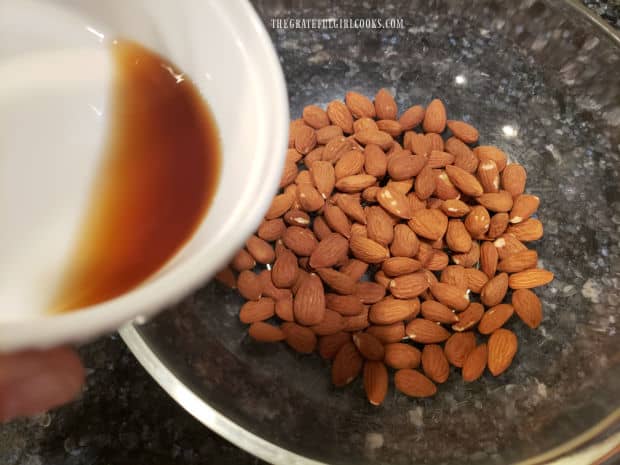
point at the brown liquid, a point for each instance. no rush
(158, 178)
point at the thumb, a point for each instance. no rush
(35, 381)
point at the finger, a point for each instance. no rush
(35, 381)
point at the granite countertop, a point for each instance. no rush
(123, 417)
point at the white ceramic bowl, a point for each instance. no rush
(224, 49)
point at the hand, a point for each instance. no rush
(34, 381)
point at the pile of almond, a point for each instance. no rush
(394, 242)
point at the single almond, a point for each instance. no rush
(469, 318)
(349, 164)
(385, 105)
(390, 310)
(375, 381)
(300, 240)
(364, 123)
(475, 363)
(488, 175)
(392, 127)
(284, 308)
(494, 318)
(368, 250)
(528, 307)
(490, 152)
(454, 208)
(323, 177)
(476, 279)
(439, 159)
(513, 179)
(455, 275)
(429, 223)
(264, 332)
(435, 117)
(519, 261)
(309, 304)
(369, 292)
(309, 198)
(464, 157)
(457, 237)
(299, 338)
(425, 183)
(289, 173)
(328, 346)
(355, 323)
(351, 207)
(297, 218)
(411, 117)
(502, 348)
(388, 333)
(524, 206)
(414, 384)
(257, 310)
(529, 279)
(405, 242)
(346, 305)
(378, 225)
(458, 347)
(347, 365)
(478, 221)
(376, 137)
(320, 228)
(466, 132)
(356, 183)
(444, 189)
(409, 286)
(370, 194)
(243, 261)
(397, 266)
(466, 182)
(435, 364)
(359, 105)
(260, 250)
(315, 117)
(498, 225)
(394, 202)
(494, 290)
(438, 260)
(369, 346)
(438, 312)
(528, 230)
(329, 251)
(271, 230)
(354, 268)
(285, 269)
(325, 134)
(305, 139)
(332, 323)
(403, 186)
(337, 220)
(496, 201)
(339, 282)
(249, 285)
(226, 277)
(451, 296)
(426, 331)
(375, 161)
(468, 259)
(507, 245)
(399, 355)
(403, 165)
(340, 115)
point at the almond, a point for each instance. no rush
(403, 165)
(359, 105)
(264, 332)
(351, 207)
(435, 117)
(300, 240)
(369, 346)
(331, 323)
(529, 279)
(356, 183)
(249, 285)
(528, 307)
(370, 194)
(347, 365)
(284, 308)
(243, 261)
(498, 225)
(354, 268)
(435, 140)
(501, 350)
(494, 318)
(444, 189)
(528, 230)
(507, 245)
(455, 275)
(323, 177)
(394, 202)
(496, 201)
(339, 282)
(475, 363)
(393, 128)
(524, 206)
(458, 347)
(293, 156)
(346, 305)
(409, 286)
(388, 333)
(284, 271)
(330, 345)
(412, 117)
(457, 237)
(435, 311)
(340, 115)
(375, 382)
(438, 260)
(376, 137)
(375, 163)
(399, 355)
(451, 296)
(369, 292)
(309, 304)
(271, 230)
(297, 218)
(357, 322)
(269, 290)
(260, 250)
(329, 251)
(466, 132)
(305, 139)
(426, 331)
(226, 277)
(304, 176)
(368, 250)
(469, 318)
(494, 290)
(439, 159)
(337, 147)
(464, 157)
(425, 183)
(431, 224)
(476, 279)
(349, 164)
(300, 339)
(519, 261)
(435, 364)
(315, 117)
(385, 105)
(454, 208)
(468, 259)
(513, 179)
(288, 174)
(419, 144)
(364, 123)
(292, 131)
(414, 384)
(390, 310)
(337, 220)
(403, 186)
(405, 243)
(397, 266)
(490, 152)
(478, 221)
(327, 133)
(315, 154)
(464, 181)
(320, 228)
(378, 225)
(359, 230)
(488, 175)
(309, 198)
(257, 310)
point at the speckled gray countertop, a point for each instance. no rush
(123, 417)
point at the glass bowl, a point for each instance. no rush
(540, 80)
